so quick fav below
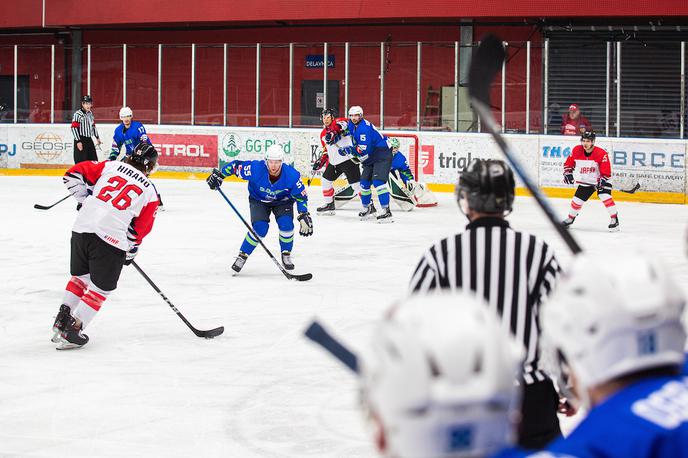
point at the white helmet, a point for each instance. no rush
(274, 153)
(355, 110)
(439, 379)
(125, 112)
(613, 316)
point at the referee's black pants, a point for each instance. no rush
(539, 420)
(88, 153)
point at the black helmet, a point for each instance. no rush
(589, 134)
(328, 111)
(144, 155)
(87, 99)
(487, 185)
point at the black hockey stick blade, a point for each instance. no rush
(209, 334)
(48, 207)
(319, 335)
(299, 277)
(632, 190)
(486, 63)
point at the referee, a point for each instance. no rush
(83, 128)
(514, 272)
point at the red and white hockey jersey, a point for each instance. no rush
(591, 167)
(339, 125)
(119, 201)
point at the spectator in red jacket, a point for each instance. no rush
(574, 123)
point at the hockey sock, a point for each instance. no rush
(76, 287)
(250, 243)
(608, 203)
(576, 205)
(89, 305)
(366, 196)
(327, 190)
(382, 192)
(286, 232)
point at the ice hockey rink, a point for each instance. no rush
(146, 386)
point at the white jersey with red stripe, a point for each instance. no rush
(339, 126)
(119, 202)
(590, 166)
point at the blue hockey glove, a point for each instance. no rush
(306, 224)
(332, 137)
(215, 179)
(348, 150)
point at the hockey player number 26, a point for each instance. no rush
(122, 200)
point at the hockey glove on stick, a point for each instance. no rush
(131, 254)
(348, 150)
(215, 179)
(306, 224)
(568, 176)
(332, 137)
(321, 162)
(604, 186)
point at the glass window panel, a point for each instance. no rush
(536, 85)
(33, 84)
(209, 90)
(274, 85)
(6, 83)
(308, 84)
(176, 85)
(241, 86)
(400, 86)
(364, 79)
(437, 86)
(106, 82)
(142, 82)
(63, 84)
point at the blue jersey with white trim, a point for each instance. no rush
(367, 138)
(288, 186)
(129, 137)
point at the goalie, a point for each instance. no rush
(407, 193)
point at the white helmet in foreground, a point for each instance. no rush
(612, 317)
(125, 112)
(439, 380)
(355, 110)
(274, 153)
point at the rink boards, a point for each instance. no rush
(190, 151)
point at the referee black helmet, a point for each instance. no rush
(486, 186)
(87, 99)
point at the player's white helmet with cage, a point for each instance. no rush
(439, 379)
(125, 112)
(614, 315)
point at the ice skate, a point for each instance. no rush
(327, 209)
(60, 322)
(614, 224)
(385, 216)
(239, 262)
(286, 260)
(368, 213)
(568, 221)
(71, 336)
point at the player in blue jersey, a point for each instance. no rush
(438, 379)
(372, 148)
(273, 187)
(128, 134)
(614, 324)
(400, 165)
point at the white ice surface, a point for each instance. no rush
(146, 386)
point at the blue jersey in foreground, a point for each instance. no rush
(646, 419)
(400, 163)
(129, 137)
(287, 187)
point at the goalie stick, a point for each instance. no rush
(48, 207)
(205, 334)
(319, 335)
(486, 63)
(299, 277)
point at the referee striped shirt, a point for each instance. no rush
(83, 125)
(514, 272)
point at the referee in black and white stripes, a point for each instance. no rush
(83, 128)
(513, 271)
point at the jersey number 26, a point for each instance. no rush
(122, 200)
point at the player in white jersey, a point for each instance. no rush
(335, 137)
(119, 207)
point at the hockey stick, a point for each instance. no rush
(205, 334)
(487, 62)
(632, 190)
(319, 335)
(48, 207)
(300, 277)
